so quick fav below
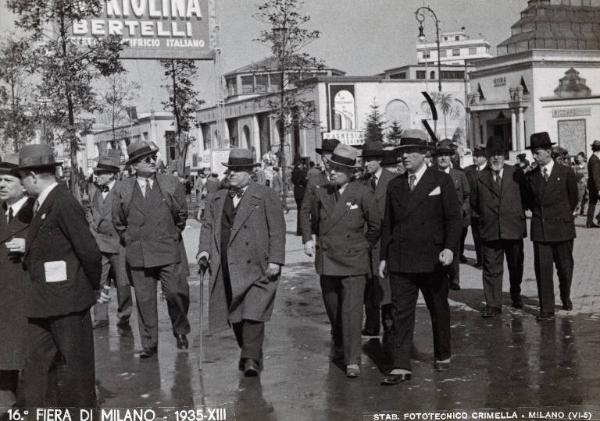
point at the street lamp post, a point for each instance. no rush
(420, 15)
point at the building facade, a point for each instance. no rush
(455, 48)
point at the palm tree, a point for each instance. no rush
(445, 104)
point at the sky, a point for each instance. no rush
(360, 37)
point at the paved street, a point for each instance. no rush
(504, 363)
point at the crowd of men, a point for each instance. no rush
(381, 225)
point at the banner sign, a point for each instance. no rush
(154, 29)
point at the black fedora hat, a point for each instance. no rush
(479, 151)
(10, 165)
(595, 145)
(109, 162)
(344, 155)
(495, 146)
(540, 140)
(444, 147)
(240, 158)
(139, 150)
(36, 156)
(414, 139)
(372, 150)
(390, 157)
(327, 146)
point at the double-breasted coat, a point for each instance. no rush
(463, 193)
(552, 204)
(343, 245)
(500, 210)
(13, 320)
(418, 225)
(101, 223)
(309, 209)
(257, 238)
(593, 176)
(379, 196)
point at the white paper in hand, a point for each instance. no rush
(56, 271)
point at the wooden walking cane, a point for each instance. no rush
(202, 271)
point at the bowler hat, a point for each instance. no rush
(240, 158)
(109, 162)
(479, 151)
(344, 155)
(414, 139)
(327, 146)
(36, 156)
(139, 150)
(495, 146)
(372, 150)
(444, 147)
(10, 165)
(540, 140)
(596, 145)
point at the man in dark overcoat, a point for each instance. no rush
(242, 241)
(348, 224)
(421, 230)
(552, 198)
(497, 199)
(150, 212)
(17, 211)
(299, 180)
(593, 184)
(377, 291)
(443, 153)
(472, 172)
(109, 243)
(64, 266)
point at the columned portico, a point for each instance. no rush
(513, 128)
(521, 141)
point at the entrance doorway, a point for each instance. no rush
(500, 126)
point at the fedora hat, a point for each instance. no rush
(390, 157)
(110, 162)
(10, 164)
(327, 146)
(596, 145)
(240, 158)
(495, 146)
(344, 155)
(372, 150)
(540, 140)
(414, 139)
(444, 147)
(479, 151)
(36, 156)
(139, 150)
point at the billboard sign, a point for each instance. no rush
(154, 29)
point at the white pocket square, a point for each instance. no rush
(352, 207)
(436, 191)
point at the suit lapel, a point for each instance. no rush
(335, 209)
(487, 179)
(245, 208)
(326, 196)
(422, 190)
(385, 178)
(40, 217)
(218, 202)
(19, 222)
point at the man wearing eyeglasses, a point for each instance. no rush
(149, 212)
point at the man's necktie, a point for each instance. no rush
(545, 173)
(374, 182)
(143, 185)
(10, 214)
(36, 207)
(412, 181)
(104, 189)
(236, 193)
(497, 178)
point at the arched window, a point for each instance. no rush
(397, 110)
(344, 108)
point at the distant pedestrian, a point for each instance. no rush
(472, 172)
(347, 223)
(581, 172)
(497, 199)
(300, 181)
(64, 266)
(242, 241)
(421, 229)
(551, 197)
(593, 186)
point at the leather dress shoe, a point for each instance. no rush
(182, 342)
(352, 371)
(148, 352)
(592, 225)
(489, 311)
(99, 324)
(478, 264)
(567, 305)
(441, 365)
(545, 316)
(370, 332)
(251, 368)
(517, 303)
(454, 286)
(394, 379)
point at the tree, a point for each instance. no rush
(445, 104)
(375, 125)
(117, 98)
(394, 133)
(287, 38)
(183, 102)
(16, 117)
(66, 69)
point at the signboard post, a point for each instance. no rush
(154, 29)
